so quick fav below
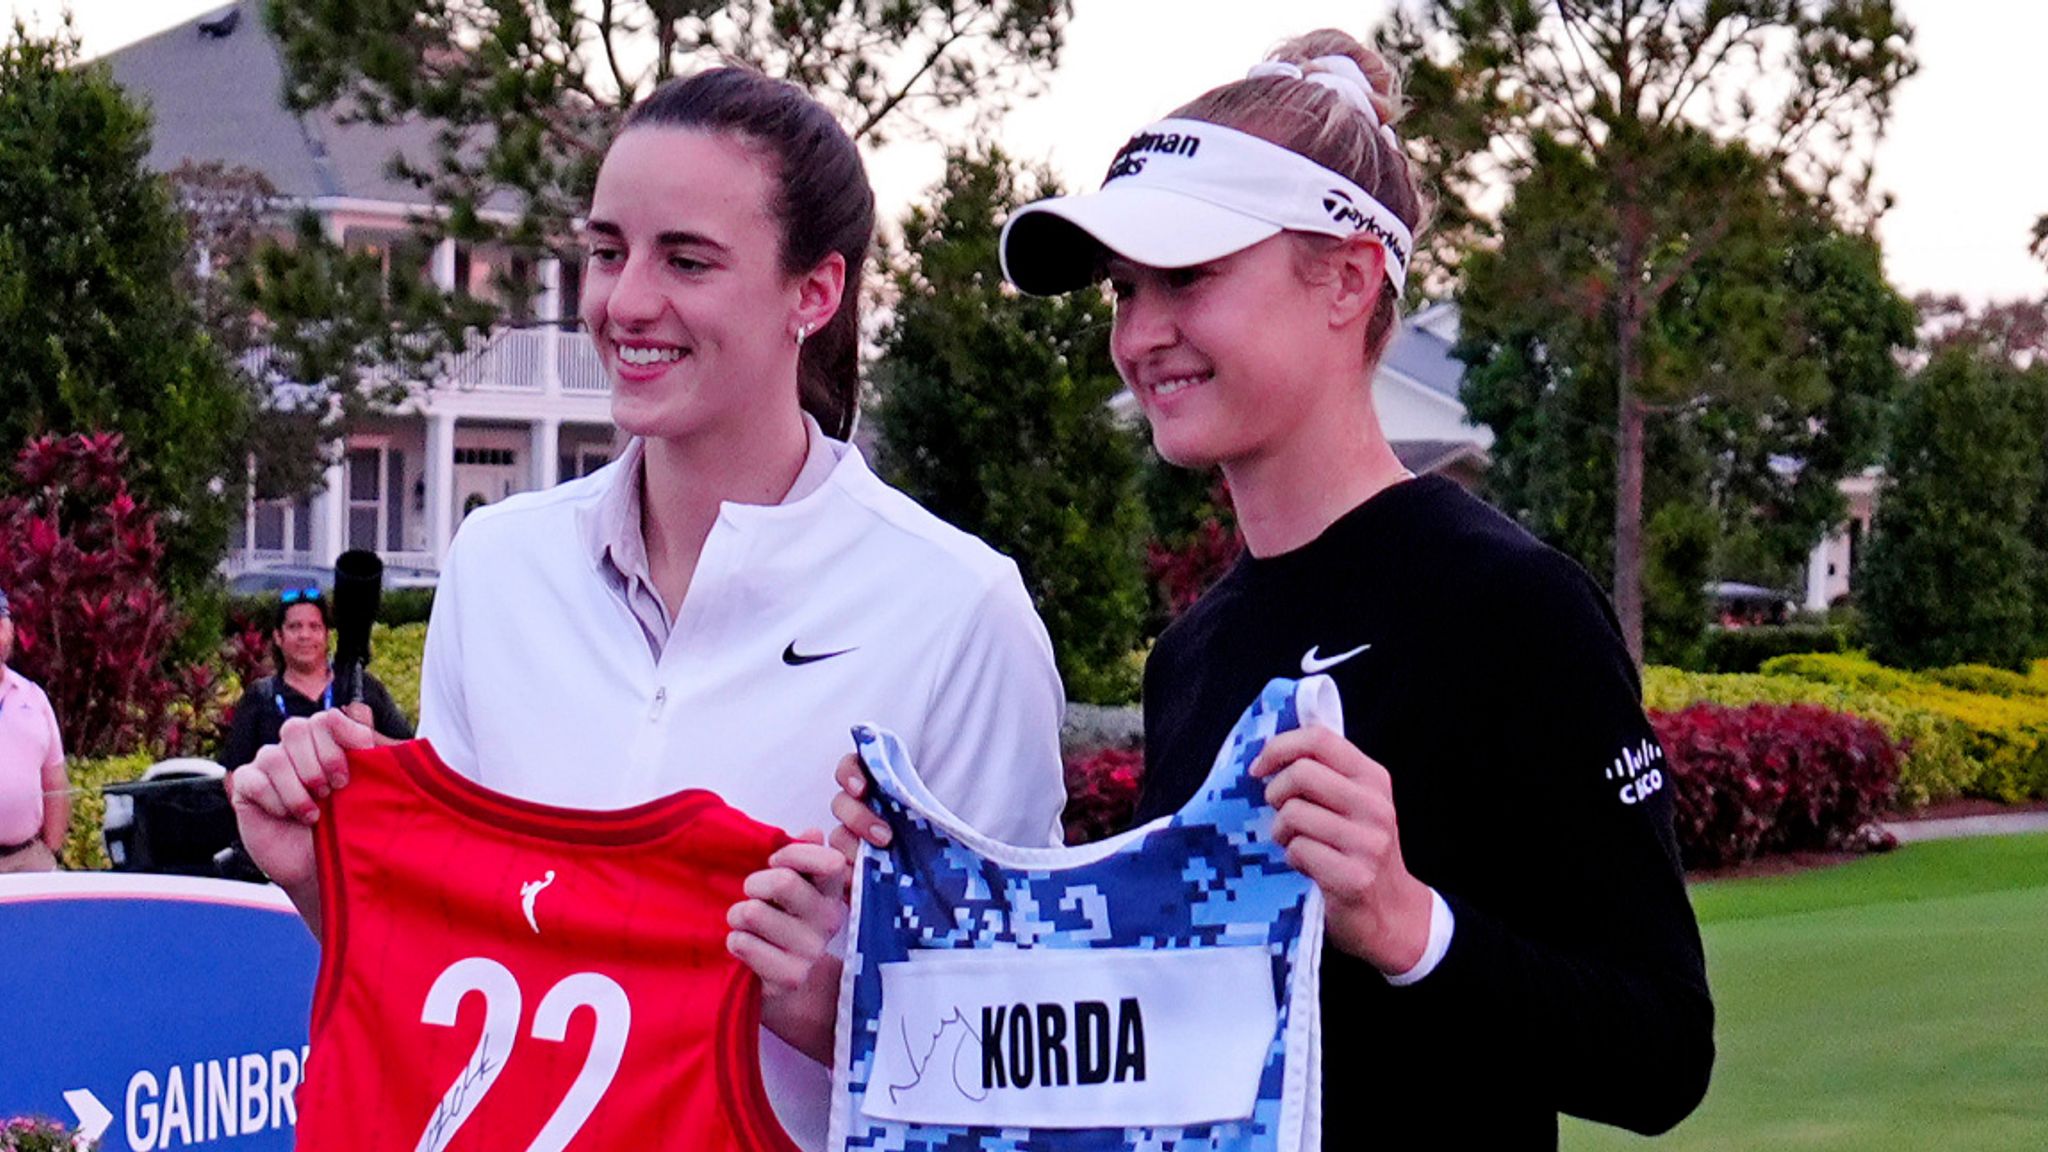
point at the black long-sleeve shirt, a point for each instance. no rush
(1529, 791)
(268, 702)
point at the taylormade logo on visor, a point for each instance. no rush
(1343, 211)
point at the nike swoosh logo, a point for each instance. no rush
(1312, 664)
(791, 657)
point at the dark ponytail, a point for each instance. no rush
(824, 204)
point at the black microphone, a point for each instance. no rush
(358, 588)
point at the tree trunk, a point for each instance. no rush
(1628, 477)
(1628, 526)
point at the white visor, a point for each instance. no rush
(1185, 192)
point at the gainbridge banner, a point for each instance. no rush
(154, 1012)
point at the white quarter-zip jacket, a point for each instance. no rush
(849, 605)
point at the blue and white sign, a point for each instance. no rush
(154, 1012)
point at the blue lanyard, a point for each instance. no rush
(326, 698)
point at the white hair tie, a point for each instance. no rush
(1340, 74)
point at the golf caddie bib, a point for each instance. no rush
(1156, 990)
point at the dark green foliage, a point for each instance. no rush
(529, 91)
(1950, 568)
(400, 606)
(1680, 548)
(396, 607)
(993, 414)
(1775, 345)
(1746, 649)
(1636, 262)
(94, 334)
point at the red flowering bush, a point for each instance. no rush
(1182, 573)
(36, 1134)
(1102, 793)
(92, 625)
(1773, 778)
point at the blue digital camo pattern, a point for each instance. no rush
(1209, 876)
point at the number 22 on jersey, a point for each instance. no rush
(503, 1011)
(499, 975)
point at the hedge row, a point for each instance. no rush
(1967, 731)
(1746, 649)
(395, 608)
(1769, 778)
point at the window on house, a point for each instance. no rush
(503, 457)
(581, 462)
(519, 272)
(394, 508)
(373, 477)
(569, 293)
(270, 527)
(462, 262)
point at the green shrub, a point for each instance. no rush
(2003, 737)
(1746, 649)
(395, 607)
(1988, 680)
(2007, 735)
(84, 847)
(1939, 762)
(395, 660)
(401, 606)
(1849, 669)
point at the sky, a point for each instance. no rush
(1963, 156)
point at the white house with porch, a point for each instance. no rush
(525, 408)
(530, 406)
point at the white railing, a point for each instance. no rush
(426, 560)
(241, 560)
(578, 366)
(533, 361)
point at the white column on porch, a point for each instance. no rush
(549, 309)
(1817, 574)
(440, 483)
(444, 266)
(332, 538)
(547, 447)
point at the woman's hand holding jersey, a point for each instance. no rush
(277, 799)
(1335, 816)
(783, 931)
(857, 822)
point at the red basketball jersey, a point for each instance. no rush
(501, 975)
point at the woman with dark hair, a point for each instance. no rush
(303, 683)
(719, 606)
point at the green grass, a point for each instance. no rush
(1899, 1002)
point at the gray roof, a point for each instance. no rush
(1423, 457)
(221, 98)
(1425, 357)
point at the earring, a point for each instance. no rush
(802, 330)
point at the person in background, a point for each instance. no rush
(303, 683)
(35, 806)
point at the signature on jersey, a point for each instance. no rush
(961, 1034)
